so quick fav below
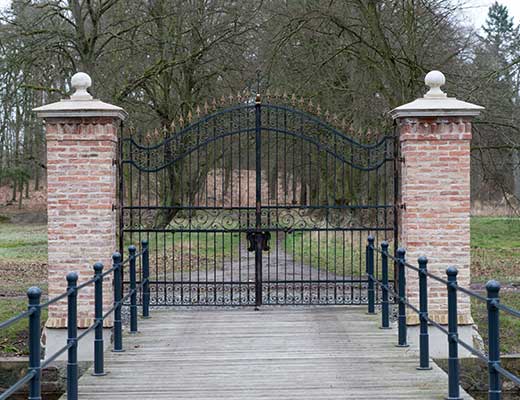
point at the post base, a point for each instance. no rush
(385, 327)
(118, 351)
(423, 368)
(402, 345)
(56, 338)
(99, 374)
(439, 341)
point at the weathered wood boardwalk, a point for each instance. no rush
(277, 353)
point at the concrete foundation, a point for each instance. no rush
(56, 339)
(439, 341)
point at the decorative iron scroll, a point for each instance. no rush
(273, 294)
(275, 218)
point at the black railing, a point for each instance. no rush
(33, 376)
(492, 359)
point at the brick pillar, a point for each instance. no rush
(434, 137)
(82, 135)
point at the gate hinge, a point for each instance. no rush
(114, 161)
(402, 206)
(401, 159)
(114, 207)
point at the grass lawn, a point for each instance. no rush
(327, 251)
(23, 258)
(191, 248)
(190, 251)
(495, 232)
(220, 244)
(509, 325)
(495, 249)
(13, 339)
(25, 243)
(495, 254)
(335, 252)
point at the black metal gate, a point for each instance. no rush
(256, 204)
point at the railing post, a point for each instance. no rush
(72, 336)
(385, 306)
(145, 279)
(401, 319)
(453, 346)
(133, 289)
(424, 339)
(98, 315)
(34, 295)
(118, 324)
(493, 289)
(370, 273)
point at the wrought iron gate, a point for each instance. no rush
(256, 204)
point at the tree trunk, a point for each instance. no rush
(516, 173)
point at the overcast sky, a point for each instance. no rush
(477, 9)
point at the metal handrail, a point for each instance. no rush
(33, 376)
(19, 384)
(492, 299)
(16, 318)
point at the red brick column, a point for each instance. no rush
(81, 197)
(82, 137)
(434, 142)
(435, 192)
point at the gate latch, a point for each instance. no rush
(258, 239)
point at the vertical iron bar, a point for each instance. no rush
(402, 334)
(385, 307)
(493, 289)
(72, 336)
(258, 208)
(397, 195)
(98, 315)
(268, 176)
(146, 278)
(121, 194)
(34, 295)
(131, 210)
(259, 243)
(133, 295)
(453, 346)
(240, 204)
(424, 339)
(248, 192)
(370, 273)
(118, 324)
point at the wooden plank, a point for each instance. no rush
(277, 353)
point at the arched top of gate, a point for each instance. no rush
(275, 119)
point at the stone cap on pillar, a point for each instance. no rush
(436, 103)
(80, 104)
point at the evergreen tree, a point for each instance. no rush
(500, 29)
(502, 40)
(499, 77)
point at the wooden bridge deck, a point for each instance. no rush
(277, 353)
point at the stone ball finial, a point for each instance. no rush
(434, 80)
(80, 81)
